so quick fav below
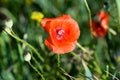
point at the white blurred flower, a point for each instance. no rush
(9, 23)
(27, 56)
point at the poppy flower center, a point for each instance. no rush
(60, 33)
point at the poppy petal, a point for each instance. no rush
(49, 43)
(64, 17)
(46, 23)
(102, 15)
(60, 50)
(66, 48)
(98, 30)
(104, 22)
(72, 30)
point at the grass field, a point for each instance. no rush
(24, 55)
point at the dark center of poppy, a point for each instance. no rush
(60, 33)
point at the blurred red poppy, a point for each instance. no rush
(100, 26)
(64, 32)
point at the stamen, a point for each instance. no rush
(60, 34)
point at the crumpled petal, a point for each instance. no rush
(46, 23)
(72, 29)
(60, 50)
(98, 30)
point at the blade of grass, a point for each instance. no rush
(118, 7)
(87, 71)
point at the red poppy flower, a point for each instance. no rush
(100, 26)
(63, 31)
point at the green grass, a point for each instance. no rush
(101, 61)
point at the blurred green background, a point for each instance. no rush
(103, 61)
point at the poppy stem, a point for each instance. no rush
(89, 12)
(58, 59)
(65, 73)
(36, 70)
(38, 64)
(107, 69)
(81, 47)
(112, 31)
(11, 33)
(74, 54)
(118, 8)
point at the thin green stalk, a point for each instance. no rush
(112, 31)
(58, 64)
(97, 67)
(74, 54)
(80, 46)
(115, 78)
(84, 50)
(58, 59)
(37, 63)
(36, 71)
(118, 8)
(65, 73)
(89, 12)
(107, 69)
(27, 44)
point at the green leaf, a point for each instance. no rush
(88, 73)
(118, 6)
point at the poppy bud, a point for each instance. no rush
(27, 56)
(9, 23)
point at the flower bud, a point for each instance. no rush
(27, 56)
(9, 23)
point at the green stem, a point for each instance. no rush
(36, 71)
(27, 44)
(84, 50)
(97, 67)
(74, 54)
(89, 12)
(112, 31)
(37, 63)
(118, 8)
(80, 46)
(58, 59)
(65, 73)
(58, 64)
(107, 69)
